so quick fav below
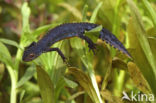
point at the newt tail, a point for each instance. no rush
(66, 31)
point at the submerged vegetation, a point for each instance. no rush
(86, 78)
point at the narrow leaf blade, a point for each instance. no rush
(28, 75)
(93, 17)
(46, 86)
(10, 42)
(141, 36)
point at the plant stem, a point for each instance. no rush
(119, 84)
(13, 78)
(18, 57)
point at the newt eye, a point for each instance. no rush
(31, 55)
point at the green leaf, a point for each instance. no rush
(31, 87)
(96, 29)
(85, 82)
(152, 41)
(25, 14)
(107, 95)
(87, 59)
(138, 78)
(151, 11)
(119, 64)
(59, 87)
(94, 33)
(84, 13)
(116, 19)
(93, 17)
(103, 62)
(51, 59)
(46, 86)
(151, 32)
(75, 95)
(27, 76)
(139, 57)
(6, 58)
(53, 63)
(10, 42)
(42, 29)
(141, 36)
(25, 38)
(70, 83)
(5, 55)
(22, 95)
(72, 9)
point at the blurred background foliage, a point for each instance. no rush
(99, 78)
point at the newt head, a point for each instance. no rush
(31, 52)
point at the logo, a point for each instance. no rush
(138, 97)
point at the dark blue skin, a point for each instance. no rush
(65, 31)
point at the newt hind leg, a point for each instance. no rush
(91, 44)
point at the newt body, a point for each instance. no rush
(65, 31)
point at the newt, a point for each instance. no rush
(65, 31)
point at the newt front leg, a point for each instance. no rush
(58, 51)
